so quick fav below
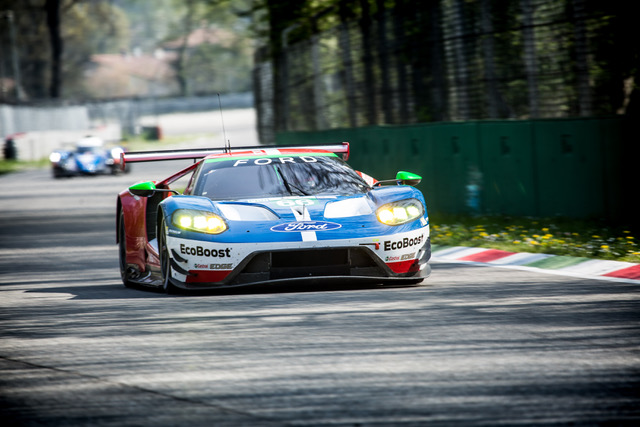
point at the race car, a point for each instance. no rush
(90, 156)
(267, 215)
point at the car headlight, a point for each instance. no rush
(401, 212)
(115, 154)
(55, 157)
(202, 222)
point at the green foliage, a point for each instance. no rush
(139, 26)
(222, 63)
(213, 68)
(403, 61)
(87, 29)
(556, 236)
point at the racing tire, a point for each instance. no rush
(165, 260)
(122, 252)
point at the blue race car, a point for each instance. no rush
(270, 215)
(89, 157)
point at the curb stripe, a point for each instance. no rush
(458, 252)
(558, 264)
(523, 258)
(626, 273)
(487, 256)
(598, 267)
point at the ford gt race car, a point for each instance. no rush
(260, 215)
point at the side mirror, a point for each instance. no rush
(143, 189)
(408, 178)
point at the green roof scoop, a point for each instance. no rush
(408, 178)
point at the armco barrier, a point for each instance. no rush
(580, 168)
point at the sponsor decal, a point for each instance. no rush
(278, 199)
(402, 243)
(278, 160)
(296, 202)
(213, 266)
(404, 257)
(200, 251)
(301, 226)
(172, 231)
(221, 266)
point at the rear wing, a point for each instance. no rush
(199, 153)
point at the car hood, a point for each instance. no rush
(336, 216)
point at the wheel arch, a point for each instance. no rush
(159, 215)
(118, 213)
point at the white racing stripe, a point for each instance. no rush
(307, 236)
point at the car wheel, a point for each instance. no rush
(122, 252)
(165, 260)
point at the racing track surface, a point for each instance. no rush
(473, 346)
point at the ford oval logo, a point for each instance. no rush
(306, 226)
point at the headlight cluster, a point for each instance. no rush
(55, 157)
(202, 222)
(401, 212)
(115, 153)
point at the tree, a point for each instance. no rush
(90, 28)
(56, 40)
(52, 8)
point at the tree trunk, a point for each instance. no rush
(369, 65)
(582, 57)
(530, 59)
(461, 64)
(399, 18)
(347, 63)
(181, 62)
(384, 62)
(52, 8)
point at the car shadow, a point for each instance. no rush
(116, 291)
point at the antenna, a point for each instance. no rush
(227, 143)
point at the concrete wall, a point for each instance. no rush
(37, 130)
(36, 145)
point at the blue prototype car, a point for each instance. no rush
(89, 157)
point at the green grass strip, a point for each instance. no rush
(557, 262)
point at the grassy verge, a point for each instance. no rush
(539, 235)
(8, 166)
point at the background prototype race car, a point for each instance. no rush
(90, 156)
(267, 215)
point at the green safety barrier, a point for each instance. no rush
(578, 168)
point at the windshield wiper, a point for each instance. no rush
(289, 185)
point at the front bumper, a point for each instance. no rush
(403, 258)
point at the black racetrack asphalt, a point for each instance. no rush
(471, 346)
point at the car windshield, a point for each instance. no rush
(87, 150)
(247, 178)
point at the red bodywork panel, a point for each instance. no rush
(135, 227)
(139, 251)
